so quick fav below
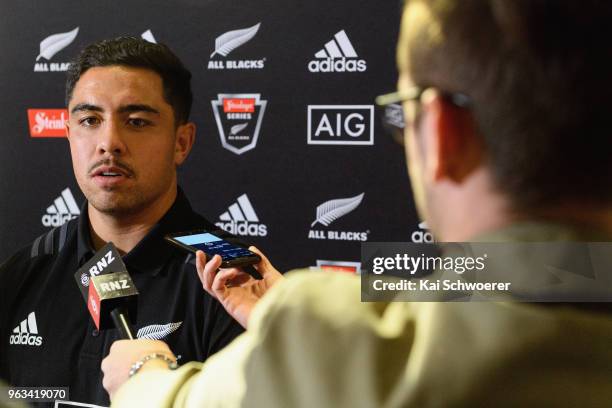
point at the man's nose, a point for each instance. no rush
(111, 139)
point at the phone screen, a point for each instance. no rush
(213, 245)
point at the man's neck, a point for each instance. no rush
(476, 208)
(125, 231)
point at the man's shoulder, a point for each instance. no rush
(44, 247)
(322, 296)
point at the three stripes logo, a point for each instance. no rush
(241, 219)
(26, 333)
(338, 55)
(63, 209)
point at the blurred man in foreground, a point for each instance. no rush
(505, 105)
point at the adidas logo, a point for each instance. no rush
(423, 236)
(25, 333)
(148, 36)
(63, 209)
(338, 55)
(240, 219)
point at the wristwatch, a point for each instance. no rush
(172, 365)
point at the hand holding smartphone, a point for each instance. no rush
(232, 255)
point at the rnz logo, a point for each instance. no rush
(423, 236)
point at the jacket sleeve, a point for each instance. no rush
(295, 353)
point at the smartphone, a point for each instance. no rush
(231, 255)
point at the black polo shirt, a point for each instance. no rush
(41, 306)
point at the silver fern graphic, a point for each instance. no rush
(55, 43)
(238, 128)
(158, 331)
(331, 210)
(226, 43)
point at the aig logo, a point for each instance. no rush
(340, 125)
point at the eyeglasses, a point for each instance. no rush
(392, 114)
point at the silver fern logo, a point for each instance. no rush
(236, 129)
(330, 211)
(158, 331)
(228, 42)
(50, 46)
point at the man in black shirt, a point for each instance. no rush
(128, 128)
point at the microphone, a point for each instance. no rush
(112, 301)
(108, 290)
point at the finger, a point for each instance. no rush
(117, 344)
(241, 278)
(200, 264)
(207, 271)
(104, 365)
(264, 266)
(222, 278)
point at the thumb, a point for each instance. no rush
(264, 266)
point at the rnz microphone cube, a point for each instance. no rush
(108, 292)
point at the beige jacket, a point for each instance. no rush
(313, 343)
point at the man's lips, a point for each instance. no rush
(110, 176)
(110, 171)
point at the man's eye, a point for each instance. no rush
(138, 122)
(89, 121)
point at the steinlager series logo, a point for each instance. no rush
(239, 118)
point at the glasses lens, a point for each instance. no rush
(393, 121)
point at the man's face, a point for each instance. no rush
(122, 138)
(414, 17)
(414, 151)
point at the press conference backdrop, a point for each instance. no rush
(289, 152)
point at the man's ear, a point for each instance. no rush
(67, 127)
(185, 136)
(455, 147)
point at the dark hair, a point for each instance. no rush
(136, 52)
(538, 73)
